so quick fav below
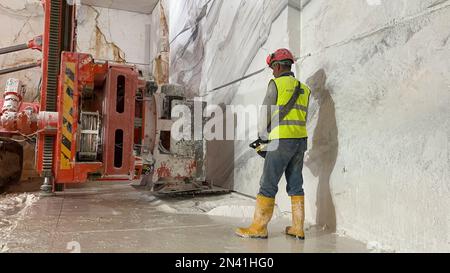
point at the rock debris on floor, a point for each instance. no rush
(118, 218)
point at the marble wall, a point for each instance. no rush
(216, 42)
(116, 35)
(377, 165)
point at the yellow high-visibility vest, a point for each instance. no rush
(294, 124)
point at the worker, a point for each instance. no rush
(288, 139)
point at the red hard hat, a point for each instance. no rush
(282, 54)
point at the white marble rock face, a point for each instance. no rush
(387, 76)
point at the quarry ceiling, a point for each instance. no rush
(141, 6)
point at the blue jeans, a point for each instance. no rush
(286, 156)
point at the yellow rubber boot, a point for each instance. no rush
(298, 217)
(262, 216)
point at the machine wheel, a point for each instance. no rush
(11, 163)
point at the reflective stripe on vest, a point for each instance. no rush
(294, 124)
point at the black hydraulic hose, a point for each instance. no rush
(15, 48)
(19, 68)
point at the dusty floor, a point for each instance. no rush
(118, 218)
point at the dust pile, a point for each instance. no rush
(12, 210)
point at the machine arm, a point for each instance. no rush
(36, 43)
(19, 68)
